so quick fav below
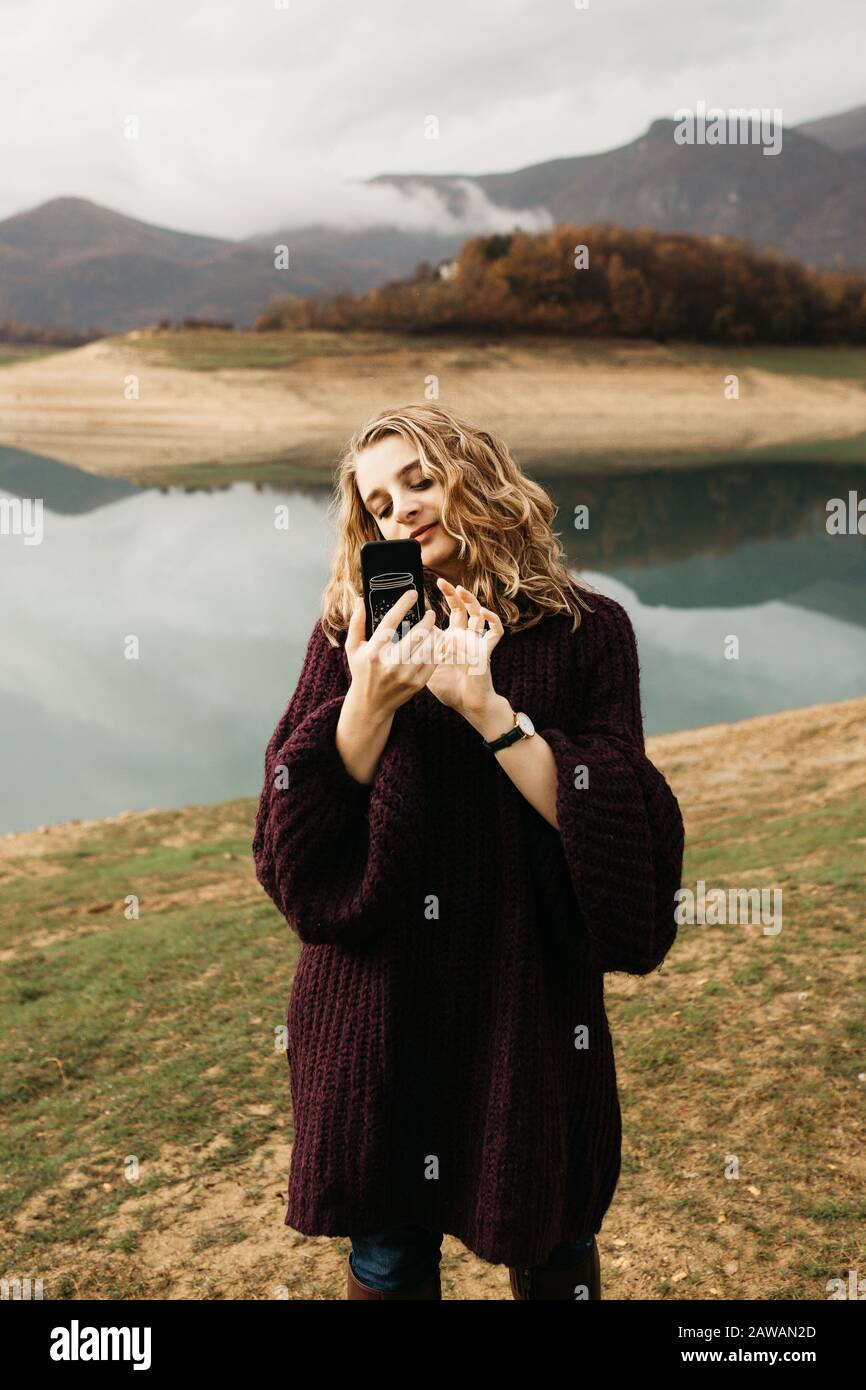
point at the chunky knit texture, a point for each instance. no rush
(449, 1053)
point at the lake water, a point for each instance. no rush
(222, 604)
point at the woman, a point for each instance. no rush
(450, 1060)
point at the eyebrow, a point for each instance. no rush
(380, 492)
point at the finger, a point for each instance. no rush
(411, 638)
(459, 617)
(422, 642)
(495, 630)
(437, 645)
(493, 618)
(414, 637)
(427, 652)
(476, 612)
(357, 628)
(390, 621)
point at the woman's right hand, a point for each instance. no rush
(384, 673)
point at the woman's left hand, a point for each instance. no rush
(462, 678)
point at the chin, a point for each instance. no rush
(431, 555)
(440, 551)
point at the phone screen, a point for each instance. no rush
(388, 569)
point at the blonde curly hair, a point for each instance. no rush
(511, 558)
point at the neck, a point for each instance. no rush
(452, 571)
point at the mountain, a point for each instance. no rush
(808, 201)
(845, 132)
(74, 264)
(71, 263)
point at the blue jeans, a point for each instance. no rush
(407, 1255)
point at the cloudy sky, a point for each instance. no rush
(254, 114)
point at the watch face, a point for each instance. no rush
(525, 723)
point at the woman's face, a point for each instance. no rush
(402, 502)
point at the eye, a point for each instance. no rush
(416, 487)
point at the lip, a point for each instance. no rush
(422, 531)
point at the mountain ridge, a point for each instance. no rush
(73, 263)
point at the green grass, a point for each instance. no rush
(205, 350)
(87, 1077)
(842, 362)
(135, 1038)
(13, 353)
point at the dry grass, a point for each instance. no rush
(154, 1038)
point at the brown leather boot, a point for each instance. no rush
(559, 1284)
(430, 1288)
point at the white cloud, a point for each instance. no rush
(253, 117)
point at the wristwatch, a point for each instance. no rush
(523, 728)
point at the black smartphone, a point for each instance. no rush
(388, 569)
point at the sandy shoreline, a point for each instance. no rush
(634, 406)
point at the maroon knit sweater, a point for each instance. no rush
(449, 1054)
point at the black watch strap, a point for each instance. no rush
(504, 740)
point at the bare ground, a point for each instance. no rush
(554, 403)
(683, 1233)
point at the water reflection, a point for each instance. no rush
(717, 536)
(222, 605)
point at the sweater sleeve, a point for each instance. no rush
(620, 824)
(334, 853)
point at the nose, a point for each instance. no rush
(408, 510)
